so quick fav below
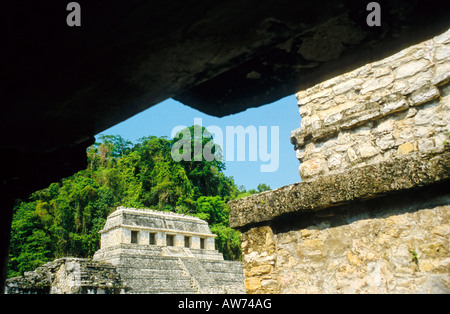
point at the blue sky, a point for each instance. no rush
(160, 119)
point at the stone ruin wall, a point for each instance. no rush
(68, 275)
(400, 249)
(372, 214)
(384, 109)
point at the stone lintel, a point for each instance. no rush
(394, 175)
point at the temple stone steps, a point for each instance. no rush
(200, 277)
(151, 274)
(162, 285)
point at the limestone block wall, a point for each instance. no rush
(402, 248)
(387, 108)
(381, 228)
(372, 213)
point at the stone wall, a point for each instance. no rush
(402, 247)
(395, 251)
(387, 108)
(68, 275)
(381, 228)
(372, 214)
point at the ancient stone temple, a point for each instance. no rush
(372, 214)
(160, 252)
(142, 251)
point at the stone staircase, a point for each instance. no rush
(214, 276)
(162, 270)
(171, 275)
(200, 278)
(156, 275)
(226, 274)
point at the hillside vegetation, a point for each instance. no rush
(64, 219)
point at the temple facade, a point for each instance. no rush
(161, 252)
(142, 251)
(180, 234)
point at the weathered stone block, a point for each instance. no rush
(405, 149)
(312, 167)
(367, 151)
(347, 85)
(442, 53)
(377, 83)
(411, 68)
(385, 142)
(424, 95)
(394, 107)
(252, 284)
(441, 74)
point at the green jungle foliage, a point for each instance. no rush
(64, 219)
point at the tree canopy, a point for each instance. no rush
(64, 219)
